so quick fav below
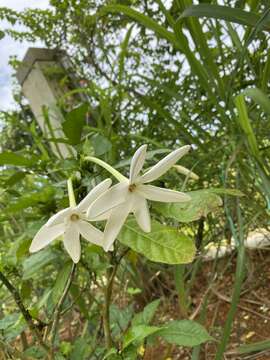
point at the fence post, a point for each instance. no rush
(45, 79)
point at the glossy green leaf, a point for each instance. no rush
(74, 123)
(185, 333)
(202, 203)
(138, 333)
(163, 244)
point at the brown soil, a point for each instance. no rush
(252, 320)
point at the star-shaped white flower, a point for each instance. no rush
(71, 223)
(131, 195)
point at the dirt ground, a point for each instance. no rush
(252, 320)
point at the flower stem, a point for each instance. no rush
(71, 196)
(107, 167)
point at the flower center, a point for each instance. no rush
(132, 187)
(74, 217)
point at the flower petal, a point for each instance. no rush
(90, 233)
(72, 242)
(45, 235)
(137, 162)
(59, 217)
(94, 194)
(155, 193)
(113, 197)
(164, 165)
(142, 215)
(115, 223)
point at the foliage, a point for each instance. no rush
(149, 72)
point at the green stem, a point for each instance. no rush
(179, 271)
(71, 196)
(240, 274)
(107, 167)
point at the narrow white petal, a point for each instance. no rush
(94, 194)
(115, 223)
(90, 233)
(45, 235)
(137, 162)
(142, 215)
(59, 217)
(113, 197)
(72, 242)
(164, 165)
(155, 193)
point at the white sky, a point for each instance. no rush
(10, 47)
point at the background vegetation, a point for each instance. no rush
(162, 73)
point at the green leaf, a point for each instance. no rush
(120, 319)
(254, 347)
(35, 352)
(2, 34)
(141, 19)
(246, 126)
(138, 333)
(9, 320)
(202, 203)
(15, 178)
(222, 191)
(101, 144)
(36, 262)
(10, 158)
(163, 244)
(74, 122)
(259, 97)
(184, 333)
(81, 349)
(60, 282)
(38, 197)
(220, 12)
(144, 317)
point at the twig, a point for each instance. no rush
(57, 311)
(28, 318)
(108, 294)
(229, 300)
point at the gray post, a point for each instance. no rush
(42, 75)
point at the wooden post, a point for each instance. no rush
(44, 78)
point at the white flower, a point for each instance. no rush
(130, 195)
(71, 222)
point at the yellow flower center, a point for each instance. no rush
(132, 187)
(74, 217)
